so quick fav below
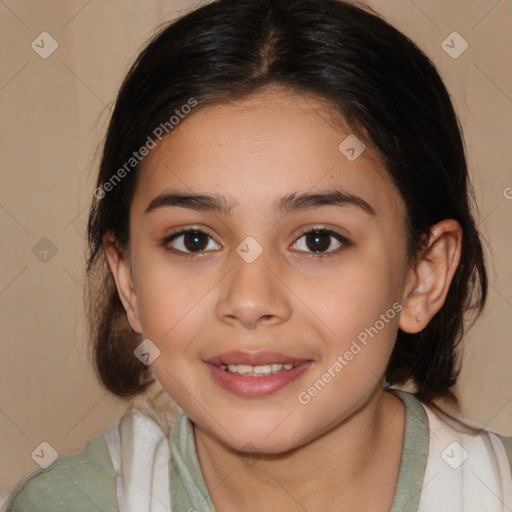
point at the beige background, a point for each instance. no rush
(54, 113)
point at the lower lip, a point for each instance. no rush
(256, 386)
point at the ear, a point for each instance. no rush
(429, 281)
(121, 271)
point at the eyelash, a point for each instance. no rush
(320, 255)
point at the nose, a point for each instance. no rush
(252, 295)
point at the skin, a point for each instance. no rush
(345, 445)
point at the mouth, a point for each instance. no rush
(255, 373)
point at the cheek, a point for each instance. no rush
(353, 295)
(362, 318)
(359, 312)
(169, 295)
(173, 309)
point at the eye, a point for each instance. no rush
(320, 241)
(190, 241)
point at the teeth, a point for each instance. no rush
(255, 371)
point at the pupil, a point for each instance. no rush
(195, 239)
(318, 241)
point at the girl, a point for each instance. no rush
(281, 235)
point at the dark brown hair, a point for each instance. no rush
(377, 80)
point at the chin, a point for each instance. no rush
(259, 437)
(255, 447)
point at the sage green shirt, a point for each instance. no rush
(86, 481)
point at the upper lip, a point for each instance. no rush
(264, 357)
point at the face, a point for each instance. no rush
(300, 259)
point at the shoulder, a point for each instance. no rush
(467, 457)
(458, 426)
(79, 482)
(469, 432)
(467, 467)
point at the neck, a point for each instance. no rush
(360, 454)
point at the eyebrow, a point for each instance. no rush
(289, 203)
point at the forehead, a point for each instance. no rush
(260, 148)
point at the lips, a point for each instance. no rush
(254, 387)
(254, 358)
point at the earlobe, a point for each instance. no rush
(429, 281)
(121, 272)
